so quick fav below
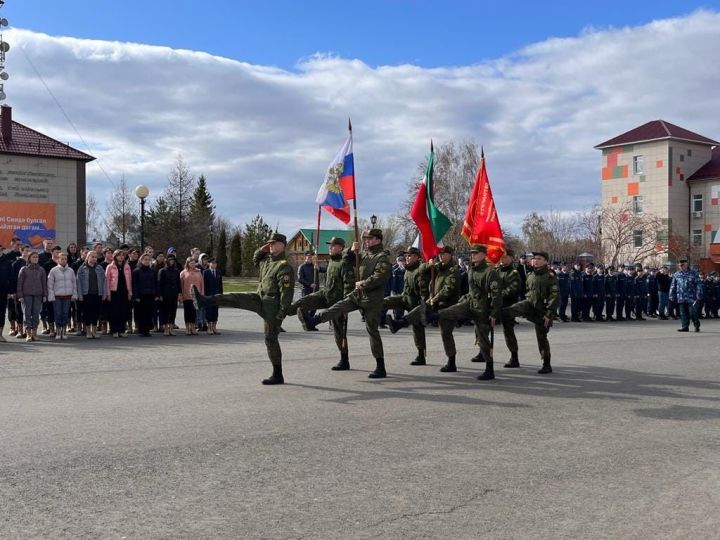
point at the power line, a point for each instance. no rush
(65, 114)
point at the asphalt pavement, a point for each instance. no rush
(176, 437)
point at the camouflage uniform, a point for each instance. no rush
(509, 287)
(375, 270)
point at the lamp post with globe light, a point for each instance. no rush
(142, 193)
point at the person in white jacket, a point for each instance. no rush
(62, 290)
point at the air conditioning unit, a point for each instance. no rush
(697, 215)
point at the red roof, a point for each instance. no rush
(656, 130)
(29, 142)
(711, 169)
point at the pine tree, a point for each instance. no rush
(179, 198)
(256, 234)
(222, 258)
(202, 215)
(236, 261)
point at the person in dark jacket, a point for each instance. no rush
(576, 292)
(641, 294)
(397, 282)
(306, 279)
(611, 283)
(47, 313)
(17, 265)
(629, 291)
(144, 292)
(563, 276)
(599, 293)
(620, 298)
(6, 260)
(169, 289)
(587, 279)
(213, 285)
(91, 290)
(663, 284)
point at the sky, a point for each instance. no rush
(256, 95)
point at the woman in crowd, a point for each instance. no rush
(189, 277)
(91, 290)
(144, 293)
(76, 316)
(169, 291)
(18, 265)
(32, 291)
(104, 262)
(62, 290)
(213, 285)
(157, 264)
(118, 278)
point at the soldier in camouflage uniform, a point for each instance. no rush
(509, 287)
(375, 272)
(445, 282)
(414, 293)
(271, 301)
(339, 282)
(540, 305)
(482, 304)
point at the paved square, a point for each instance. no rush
(175, 437)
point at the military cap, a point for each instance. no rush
(590, 265)
(277, 237)
(628, 265)
(414, 251)
(337, 241)
(601, 266)
(542, 254)
(375, 233)
(447, 249)
(478, 248)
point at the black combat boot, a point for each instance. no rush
(309, 324)
(419, 359)
(450, 366)
(276, 377)
(479, 357)
(343, 364)
(379, 372)
(545, 367)
(697, 327)
(489, 373)
(514, 362)
(395, 325)
(200, 301)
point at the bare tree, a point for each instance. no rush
(630, 236)
(123, 213)
(92, 219)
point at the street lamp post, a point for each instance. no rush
(142, 193)
(373, 220)
(212, 245)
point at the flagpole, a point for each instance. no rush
(355, 213)
(316, 276)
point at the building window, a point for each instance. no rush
(637, 239)
(697, 202)
(682, 157)
(689, 153)
(697, 237)
(637, 204)
(638, 167)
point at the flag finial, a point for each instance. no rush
(349, 124)
(431, 146)
(482, 152)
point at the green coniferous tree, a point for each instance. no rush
(236, 261)
(202, 216)
(221, 256)
(255, 235)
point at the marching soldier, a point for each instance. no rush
(621, 294)
(414, 293)
(339, 282)
(510, 287)
(375, 270)
(482, 304)
(445, 287)
(540, 305)
(587, 288)
(641, 295)
(271, 301)
(629, 291)
(599, 292)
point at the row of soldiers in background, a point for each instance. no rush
(596, 293)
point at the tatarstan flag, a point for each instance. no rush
(431, 222)
(482, 225)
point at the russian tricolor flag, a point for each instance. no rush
(339, 184)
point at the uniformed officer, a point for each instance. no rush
(620, 298)
(563, 276)
(271, 301)
(588, 277)
(540, 305)
(641, 294)
(653, 298)
(599, 292)
(375, 273)
(629, 291)
(339, 281)
(510, 287)
(414, 293)
(445, 287)
(576, 292)
(611, 284)
(482, 304)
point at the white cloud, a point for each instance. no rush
(264, 135)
